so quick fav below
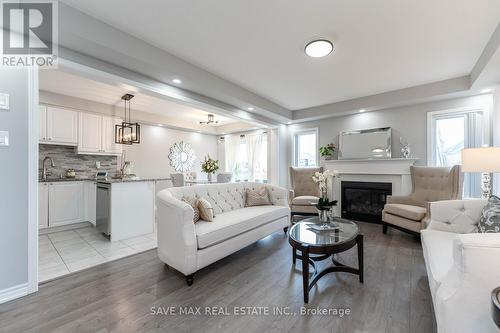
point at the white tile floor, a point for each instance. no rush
(69, 251)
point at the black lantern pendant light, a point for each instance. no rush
(127, 133)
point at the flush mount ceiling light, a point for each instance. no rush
(177, 81)
(127, 133)
(210, 121)
(318, 48)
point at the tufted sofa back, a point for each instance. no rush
(228, 196)
(302, 183)
(436, 184)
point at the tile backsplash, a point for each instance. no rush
(65, 157)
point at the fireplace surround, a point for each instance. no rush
(364, 201)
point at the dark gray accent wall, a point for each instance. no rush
(14, 181)
(65, 157)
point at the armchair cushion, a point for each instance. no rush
(414, 213)
(304, 200)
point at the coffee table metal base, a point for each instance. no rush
(307, 260)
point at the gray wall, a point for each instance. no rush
(14, 181)
(410, 123)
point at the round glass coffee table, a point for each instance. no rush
(316, 243)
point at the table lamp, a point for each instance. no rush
(485, 160)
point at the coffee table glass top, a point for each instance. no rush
(302, 232)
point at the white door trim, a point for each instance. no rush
(33, 180)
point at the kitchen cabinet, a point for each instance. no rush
(43, 205)
(42, 123)
(90, 201)
(89, 133)
(96, 135)
(108, 135)
(58, 126)
(66, 203)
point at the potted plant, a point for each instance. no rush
(327, 151)
(209, 166)
(324, 204)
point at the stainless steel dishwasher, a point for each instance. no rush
(103, 203)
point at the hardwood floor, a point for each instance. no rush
(118, 296)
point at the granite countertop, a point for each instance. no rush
(58, 180)
(131, 180)
(108, 180)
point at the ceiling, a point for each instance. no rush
(60, 82)
(380, 45)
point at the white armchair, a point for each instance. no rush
(463, 266)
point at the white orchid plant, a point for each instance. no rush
(322, 179)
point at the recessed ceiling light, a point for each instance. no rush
(198, 131)
(250, 108)
(319, 48)
(160, 125)
(362, 110)
(289, 122)
(486, 91)
(177, 81)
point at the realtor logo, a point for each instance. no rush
(29, 33)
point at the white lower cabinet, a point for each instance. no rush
(43, 205)
(90, 201)
(66, 203)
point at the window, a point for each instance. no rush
(450, 132)
(305, 148)
(246, 157)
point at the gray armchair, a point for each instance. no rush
(410, 213)
(304, 191)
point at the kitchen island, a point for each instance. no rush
(125, 208)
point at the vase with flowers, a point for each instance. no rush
(209, 166)
(324, 204)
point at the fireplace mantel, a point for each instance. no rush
(395, 171)
(392, 166)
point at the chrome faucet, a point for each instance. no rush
(44, 171)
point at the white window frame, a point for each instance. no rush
(431, 137)
(295, 135)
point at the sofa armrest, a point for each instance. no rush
(177, 245)
(459, 216)
(404, 200)
(465, 291)
(278, 195)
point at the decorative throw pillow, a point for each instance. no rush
(490, 217)
(258, 197)
(193, 203)
(206, 210)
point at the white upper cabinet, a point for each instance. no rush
(89, 133)
(96, 135)
(42, 123)
(61, 126)
(108, 135)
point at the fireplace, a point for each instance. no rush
(364, 201)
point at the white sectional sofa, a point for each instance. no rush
(463, 266)
(188, 246)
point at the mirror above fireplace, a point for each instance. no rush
(365, 144)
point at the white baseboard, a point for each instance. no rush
(13, 292)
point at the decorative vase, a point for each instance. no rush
(209, 176)
(323, 215)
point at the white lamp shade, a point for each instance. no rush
(485, 159)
